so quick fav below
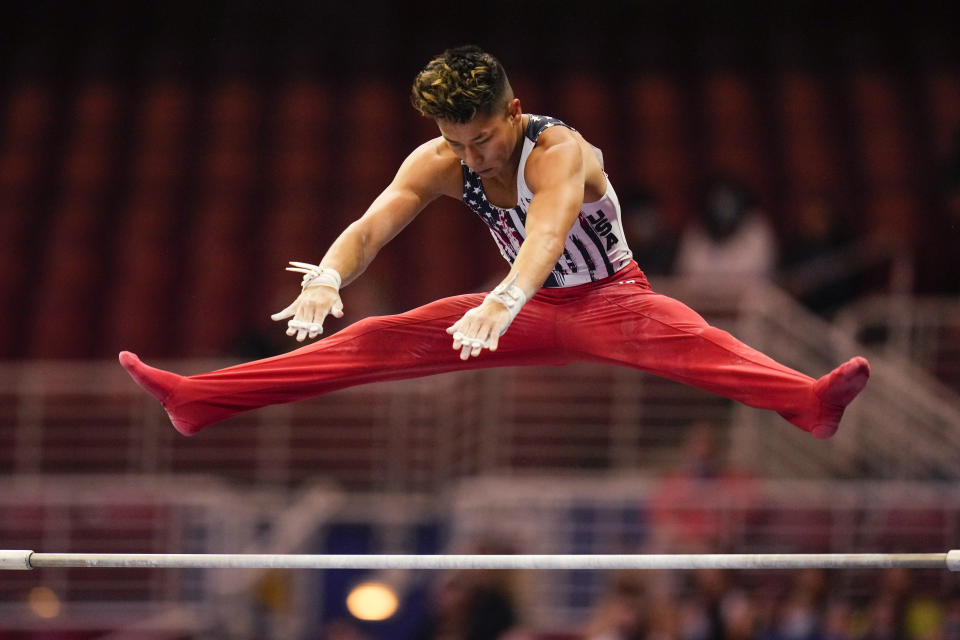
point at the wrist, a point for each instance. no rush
(322, 277)
(510, 296)
(316, 276)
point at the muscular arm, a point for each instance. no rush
(423, 176)
(427, 173)
(556, 172)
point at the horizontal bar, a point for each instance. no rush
(22, 559)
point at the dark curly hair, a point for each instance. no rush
(459, 84)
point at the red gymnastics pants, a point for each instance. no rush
(618, 320)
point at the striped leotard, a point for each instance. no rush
(595, 247)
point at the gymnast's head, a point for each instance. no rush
(460, 84)
(466, 91)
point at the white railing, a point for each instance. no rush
(923, 330)
(412, 435)
(904, 425)
(154, 514)
(118, 512)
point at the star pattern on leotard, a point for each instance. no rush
(476, 198)
(507, 231)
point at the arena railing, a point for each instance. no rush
(924, 330)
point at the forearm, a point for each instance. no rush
(535, 261)
(351, 253)
(481, 327)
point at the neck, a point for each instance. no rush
(509, 174)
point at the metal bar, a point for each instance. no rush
(22, 559)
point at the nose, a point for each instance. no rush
(472, 158)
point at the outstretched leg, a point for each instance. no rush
(407, 345)
(631, 325)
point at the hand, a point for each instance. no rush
(480, 328)
(309, 311)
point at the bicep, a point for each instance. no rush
(389, 213)
(419, 181)
(557, 180)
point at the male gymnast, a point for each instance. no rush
(573, 292)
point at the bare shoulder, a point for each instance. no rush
(563, 151)
(557, 136)
(432, 168)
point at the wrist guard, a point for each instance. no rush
(509, 295)
(315, 276)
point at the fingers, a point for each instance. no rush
(471, 335)
(308, 312)
(296, 326)
(286, 313)
(468, 346)
(304, 329)
(300, 326)
(477, 347)
(452, 329)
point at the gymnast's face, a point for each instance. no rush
(487, 144)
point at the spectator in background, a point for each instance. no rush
(837, 621)
(799, 615)
(914, 608)
(882, 619)
(473, 605)
(653, 247)
(468, 605)
(731, 240)
(716, 608)
(341, 629)
(704, 502)
(950, 623)
(624, 613)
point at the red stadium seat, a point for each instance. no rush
(659, 152)
(586, 103)
(64, 314)
(141, 299)
(734, 130)
(303, 115)
(811, 153)
(64, 320)
(24, 132)
(212, 299)
(885, 155)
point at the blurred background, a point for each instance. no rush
(791, 170)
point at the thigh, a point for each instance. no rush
(637, 327)
(419, 336)
(625, 318)
(646, 330)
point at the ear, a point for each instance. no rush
(514, 110)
